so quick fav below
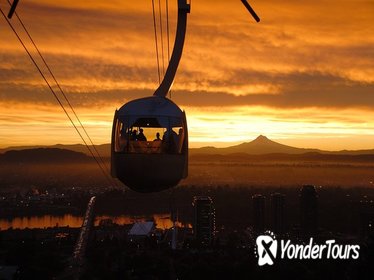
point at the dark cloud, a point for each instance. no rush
(299, 90)
(73, 67)
(42, 96)
(218, 58)
(303, 99)
(92, 18)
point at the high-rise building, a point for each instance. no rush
(277, 213)
(308, 210)
(205, 219)
(258, 201)
(366, 217)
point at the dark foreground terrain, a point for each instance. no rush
(63, 184)
(343, 214)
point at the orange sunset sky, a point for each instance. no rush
(303, 76)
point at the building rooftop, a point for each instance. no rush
(142, 228)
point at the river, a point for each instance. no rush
(163, 221)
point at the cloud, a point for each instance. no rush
(312, 56)
(110, 84)
(298, 62)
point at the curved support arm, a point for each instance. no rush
(183, 10)
(12, 8)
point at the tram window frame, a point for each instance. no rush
(128, 146)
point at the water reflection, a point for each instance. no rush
(163, 221)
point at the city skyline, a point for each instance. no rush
(302, 76)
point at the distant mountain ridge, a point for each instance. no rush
(259, 146)
(263, 146)
(278, 158)
(44, 155)
(103, 149)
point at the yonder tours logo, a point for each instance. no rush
(267, 247)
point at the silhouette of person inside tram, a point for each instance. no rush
(141, 136)
(157, 137)
(170, 139)
(134, 135)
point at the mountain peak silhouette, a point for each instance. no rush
(262, 139)
(260, 145)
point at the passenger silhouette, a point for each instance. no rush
(171, 139)
(157, 137)
(141, 136)
(134, 135)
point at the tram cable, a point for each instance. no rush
(167, 32)
(55, 95)
(59, 87)
(156, 40)
(162, 38)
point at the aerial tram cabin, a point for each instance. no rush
(151, 163)
(140, 160)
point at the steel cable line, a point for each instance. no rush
(55, 95)
(167, 27)
(167, 32)
(62, 92)
(155, 29)
(162, 37)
